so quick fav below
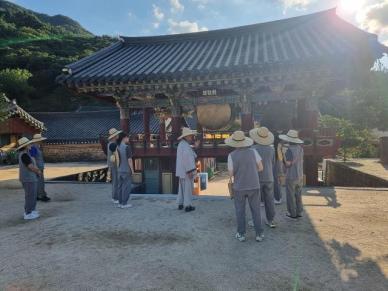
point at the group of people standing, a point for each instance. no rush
(31, 174)
(253, 168)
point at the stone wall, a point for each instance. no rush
(338, 174)
(73, 152)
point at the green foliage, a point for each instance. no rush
(14, 83)
(366, 105)
(42, 45)
(355, 142)
(3, 106)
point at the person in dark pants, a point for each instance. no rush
(125, 171)
(278, 169)
(28, 176)
(113, 162)
(37, 154)
(294, 177)
(264, 139)
(244, 163)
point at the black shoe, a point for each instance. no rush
(180, 207)
(292, 217)
(44, 199)
(189, 208)
(299, 216)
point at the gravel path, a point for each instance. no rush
(82, 243)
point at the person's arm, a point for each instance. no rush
(230, 166)
(27, 161)
(259, 163)
(188, 161)
(289, 158)
(112, 147)
(129, 157)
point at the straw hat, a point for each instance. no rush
(238, 140)
(291, 136)
(186, 132)
(38, 137)
(113, 132)
(262, 136)
(23, 142)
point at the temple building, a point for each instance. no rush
(263, 74)
(15, 122)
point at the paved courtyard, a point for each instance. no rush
(82, 243)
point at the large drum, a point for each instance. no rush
(214, 116)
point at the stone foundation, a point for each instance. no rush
(342, 174)
(55, 153)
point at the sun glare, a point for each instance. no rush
(350, 6)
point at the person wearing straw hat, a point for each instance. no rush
(185, 169)
(113, 161)
(28, 176)
(124, 171)
(293, 159)
(244, 163)
(37, 153)
(264, 139)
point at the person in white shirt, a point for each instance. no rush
(186, 169)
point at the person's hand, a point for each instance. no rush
(192, 174)
(197, 143)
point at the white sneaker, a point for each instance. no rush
(278, 202)
(30, 216)
(115, 201)
(259, 238)
(125, 206)
(36, 213)
(240, 237)
(250, 223)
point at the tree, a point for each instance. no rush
(14, 83)
(355, 142)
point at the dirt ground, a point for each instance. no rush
(82, 242)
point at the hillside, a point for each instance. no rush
(34, 47)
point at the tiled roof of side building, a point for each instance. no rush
(89, 125)
(14, 110)
(319, 36)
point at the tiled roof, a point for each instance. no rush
(89, 125)
(14, 110)
(314, 37)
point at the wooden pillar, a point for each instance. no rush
(246, 122)
(162, 130)
(124, 119)
(311, 170)
(176, 125)
(146, 124)
(246, 115)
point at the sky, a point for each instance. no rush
(155, 17)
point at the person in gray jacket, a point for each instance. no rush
(125, 170)
(185, 169)
(112, 161)
(244, 163)
(28, 176)
(36, 152)
(294, 177)
(264, 139)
